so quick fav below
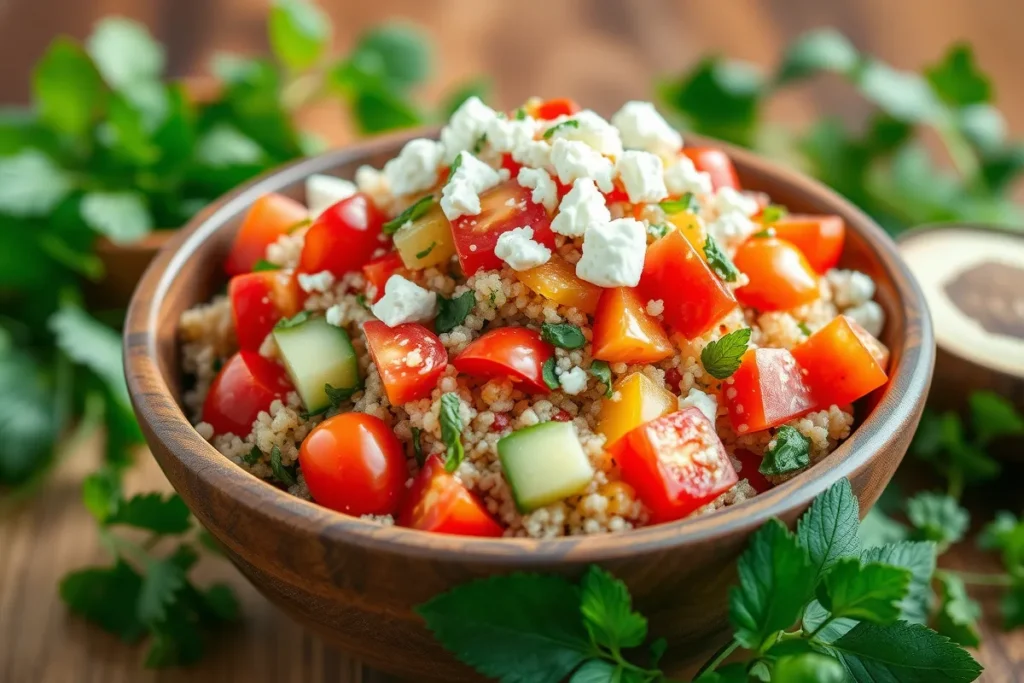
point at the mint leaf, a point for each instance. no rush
(789, 451)
(221, 603)
(720, 98)
(123, 217)
(809, 667)
(869, 592)
(535, 619)
(453, 312)
(828, 530)
(684, 203)
(958, 614)
(730, 673)
(563, 335)
(919, 559)
(89, 342)
(815, 615)
(451, 430)
(993, 416)
(904, 95)
(819, 50)
(1012, 608)
(28, 421)
(411, 213)
(153, 512)
(400, 55)
(603, 372)
(284, 475)
(299, 32)
(776, 581)
(160, 586)
(719, 261)
(938, 517)
(596, 671)
(107, 597)
(722, 358)
(608, 613)
(999, 532)
(31, 184)
(67, 88)
(224, 146)
(903, 653)
(125, 53)
(101, 494)
(957, 79)
(549, 375)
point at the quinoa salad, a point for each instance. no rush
(542, 324)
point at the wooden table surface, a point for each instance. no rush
(600, 52)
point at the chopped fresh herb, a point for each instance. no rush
(719, 261)
(417, 445)
(685, 203)
(791, 451)
(456, 164)
(493, 297)
(658, 231)
(452, 312)
(803, 328)
(284, 475)
(761, 234)
(361, 300)
(603, 372)
(478, 146)
(520, 114)
(426, 252)
(773, 213)
(299, 225)
(570, 123)
(548, 373)
(722, 358)
(451, 431)
(294, 321)
(563, 335)
(263, 265)
(253, 456)
(411, 213)
(336, 398)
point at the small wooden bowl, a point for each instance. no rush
(356, 582)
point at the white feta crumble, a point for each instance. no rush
(682, 176)
(505, 135)
(324, 191)
(404, 302)
(545, 192)
(573, 159)
(518, 249)
(868, 315)
(705, 403)
(415, 167)
(335, 315)
(467, 125)
(728, 200)
(573, 381)
(316, 282)
(613, 253)
(372, 182)
(581, 207)
(850, 287)
(461, 194)
(589, 129)
(642, 127)
(731, 229)
(534, 154)
(643, 177)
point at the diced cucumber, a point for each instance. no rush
(317, 353)
(543, 464)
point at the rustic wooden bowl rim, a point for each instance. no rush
(164, 419)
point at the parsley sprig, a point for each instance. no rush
(722, 357)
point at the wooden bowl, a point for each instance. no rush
(356, 582)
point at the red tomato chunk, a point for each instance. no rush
(410, 359)
(438, 502)
(780, 276)
(343, 238)
(258, 301)
(715, 163)
(841, 362)
(247, 384)
(377, 273)
(767, 390)
(819, 238)
(270, 216)
(518, 353)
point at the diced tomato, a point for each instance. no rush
(841, 362)
(618, 194)
(518, 353)
(819, 238)
(751, 470)
(270, 216)
(552, 109)
(247, 384)
(410, 359)
(695, 298)
(715, 163)
(562, 416)
(343, 238)
(625, 333)
(258, 301)
(377, 273)
(354, 463)
(767, 390)
(501, 422)
(780, 276)
(438, 502)
(503, 208)
(557, 280)
(676, 463)
(511, 165)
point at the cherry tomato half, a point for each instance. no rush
(410, 359)
(438, 502)
(258, 301)
(751, 471)
(552, 109)
(247, 384)
(343, 238)
(377, 273)
(819, 238)
(354, 463)
(270, 216)
(515, 352)
(715, 163)
(780, 276)
(767, 390)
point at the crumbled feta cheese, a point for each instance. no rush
(642, 127)
(868, 315)
(727, 200)
(643, 177)
(505, 135)
(404, 302)
(731, 229)
(590, 129)
(335, 315)
(573, 159)
(372, 182)
(461, 194)
(518, 249)
(545, 192)
(581, 207)
(534, 154)
(573, 381)
(468, 124)
(323, 191)
(415, 167)
(850, 287)
(705, 403)
(655, 307)
(317, 282)
(613, 253)
(682, 176)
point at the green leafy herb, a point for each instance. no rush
(426, 252)
(908, 653)
(958, 615)
(722, 358)
(478, 146)
(299, 32)
(828, 530)
(563, 335)
(789, 452)
(337, 396)
(685, 203)
(761, 234)
(869, 592)
(603, 372)
(294, 321)
(361, 300)
(284, 475)
(417, 446)
(937, 517)
(411, 213)
(993, 416)
(719, 261)
(453, 312)
(263, 265)
(549, 375)
(773, 213)
(820, 50)
(520, 114)
(804, 329)
(564, 125)
(451, 430)
(456, 164)
(253, 456)
(919, 559)
(152, 512)
(658, 230)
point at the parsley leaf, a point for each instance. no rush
(814, 51)
(284, 475)
(919, 559)
(658, 231)
(828, 530)
(993, 416)
(869, 592)
(456, 164)
(549, 374)
(563, 335)
(903, 653)
(937, 517)
(426, 252)
(608, 611)
(684, 203)
(603, 372)
(294, 321)
(521, 628)
(153, 512)
(790, 452)
(263, 265)
(417, 446)
(596, 671)
(569, 123)
(804, 329)
(253, 456)
(451, 430)
(412, 212)
(299, 32)
(957, 79)
(106, 596)
(520, 114)
(808, 667)
(160, 586)
(452, 312)
(773, 213)
(722, 358)
(958, 614)
(719, 261)
(1012, 608)
(123, 217)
